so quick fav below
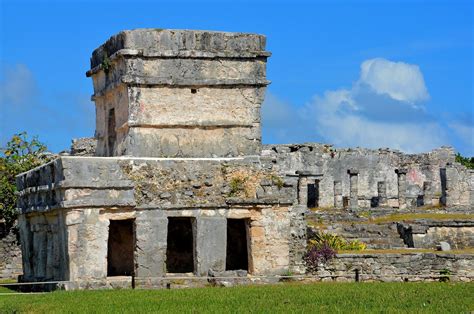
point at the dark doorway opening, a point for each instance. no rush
(374, 202)
(180, 243)
(120, 248)
(236, 253)
(420, 200)
(313, 194)
(112, 135)
(442, 174)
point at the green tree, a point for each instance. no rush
(19, 155)
(465, 161)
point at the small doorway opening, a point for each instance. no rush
(442, 174)
(180, 244)
(313, 194)
(112, 135)
(121, 248)
(237, 244)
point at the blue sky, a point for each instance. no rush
(354, 73)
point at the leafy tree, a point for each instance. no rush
(465, 161)
(19, 155)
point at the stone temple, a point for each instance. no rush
(177, 181)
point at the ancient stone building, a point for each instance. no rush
(179, 182)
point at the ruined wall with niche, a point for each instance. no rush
(377, 178)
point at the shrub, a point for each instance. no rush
(445, 273)
(465, 161)
(336, 242)
(317, 255)
(237, 185)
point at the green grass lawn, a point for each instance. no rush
(284, 298)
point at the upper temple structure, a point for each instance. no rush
(161, 93)
(177, 182)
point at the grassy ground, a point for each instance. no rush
(287, 298)
(414, 216)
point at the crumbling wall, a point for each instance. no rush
(85, 146)
(364, 178)
(398, 267)
(459, 185)
(43, 244)
(10, 254)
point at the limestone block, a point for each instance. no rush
(151, 236)
(211, 244)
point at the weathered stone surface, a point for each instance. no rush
(210, 244)
(10, 254)
(398, 267)
(204, 103)
(83, 146)
(151, 235)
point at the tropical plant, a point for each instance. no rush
(19, 155)
(465, 161)
(335, 242)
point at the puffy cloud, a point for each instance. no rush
(401, 81)
(378, 111)
(339, 123)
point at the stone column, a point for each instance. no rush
(298, 239)
(49, 253)
(354, 180)
(211, 243)
(338, 202)
(382, 193)
(151, 229)
(303, 191)
(40, 251)
(402, 187)
(427, 193)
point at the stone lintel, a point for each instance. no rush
(352, 172)
(258, 201)
(308, 173)
(401, 171)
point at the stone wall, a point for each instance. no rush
(85, 146)
(398, 267)
(10, 255)
(429, 233)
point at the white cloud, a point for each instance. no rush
(338, 123)
(378, 111)
(399, 80)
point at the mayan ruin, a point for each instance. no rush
(177, 184)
